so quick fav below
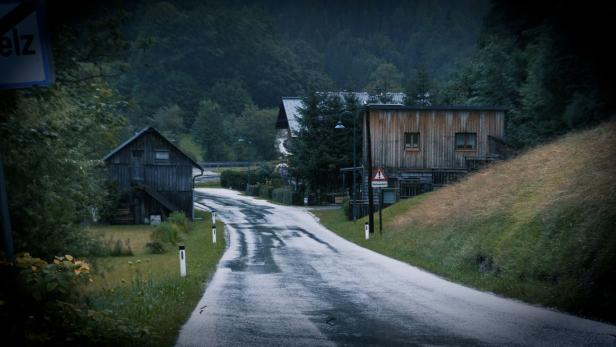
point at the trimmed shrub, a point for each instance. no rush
(234, 179)
(283, 196)
(265, 191)
(252, 189)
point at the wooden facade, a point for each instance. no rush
(151, 176)
(420, 147)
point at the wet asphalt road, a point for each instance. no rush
(285, 280)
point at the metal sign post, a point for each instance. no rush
(7, 235)
(381, 211)
(379, 181)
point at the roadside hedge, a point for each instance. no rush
(252, 189)
(234, 179)
(283, 196)
(265, 191)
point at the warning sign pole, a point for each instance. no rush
(369, 158)
(381, 211)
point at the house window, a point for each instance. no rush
(162, 155)
(466, 140)
(411, 140)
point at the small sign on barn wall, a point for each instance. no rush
(379, 180)
(24, 51)
(155, 219)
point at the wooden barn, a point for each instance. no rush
(420, 147)
(151, 177)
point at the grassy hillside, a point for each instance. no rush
(540, 227)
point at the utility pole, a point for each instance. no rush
(369, 159)
(354, 205)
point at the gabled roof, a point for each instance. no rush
(289, 115)
(141, 133)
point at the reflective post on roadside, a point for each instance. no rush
(213, 217)
(182, 261)
(213, 233)
(367, 230)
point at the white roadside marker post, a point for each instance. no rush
(213, 217)
(214, 233)
(367, 230)
(182, 261)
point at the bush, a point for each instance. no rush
(166, 233)
(234, 179)
(346, 207)
(120, 248)
(44, 304)
(179, 219)
(155, 247)
(277, 182)
(169, 232)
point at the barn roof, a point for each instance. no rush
(141, 133)
(289, 114)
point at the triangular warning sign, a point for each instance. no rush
(379, 175)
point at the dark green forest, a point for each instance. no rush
(210, 74)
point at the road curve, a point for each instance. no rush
(285, 280)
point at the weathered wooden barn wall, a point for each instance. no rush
(170, 178)
(437, 129)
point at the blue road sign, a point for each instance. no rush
(25, 57)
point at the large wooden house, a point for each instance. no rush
(288, 122)
(422, 147)
(152, 178)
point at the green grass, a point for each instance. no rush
(539, 228)
(147, 288)
(211, 184)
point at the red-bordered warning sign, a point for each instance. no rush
(379, 180)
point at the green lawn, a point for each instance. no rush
(147, 288)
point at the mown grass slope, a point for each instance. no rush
(540, 227)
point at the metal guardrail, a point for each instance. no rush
(230, 163)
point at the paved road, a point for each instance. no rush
(285, 280)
